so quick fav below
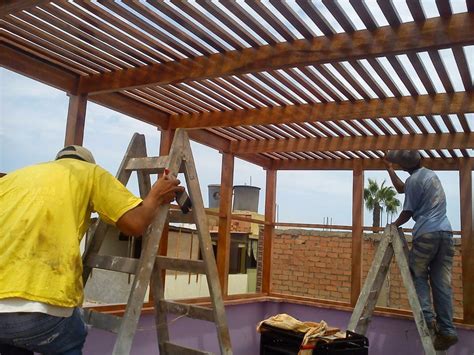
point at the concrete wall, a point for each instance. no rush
(387, 336)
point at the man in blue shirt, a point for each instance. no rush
(432, 252)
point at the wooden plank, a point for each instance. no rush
(368, 164)
(114, 263)
(400, 249)
(431, 34)
(357, 230)
(103, 321)
(36, 68)
(188, 310)
(418, 141)
(183, 265)
(205, 244)
(151, 165)
(76, 119)
(171, 348)
(269, 229)
(438, 104)
(225, 212)
(467, 237)
(367, 300)
(12, 6)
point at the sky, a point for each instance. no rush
(32, 128)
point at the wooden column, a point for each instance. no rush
(225, 211)
(357, 230)
(76, 119)
(269, 229)
(467, 238)
(165, 146)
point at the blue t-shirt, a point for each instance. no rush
(424, 196)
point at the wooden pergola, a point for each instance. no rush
(287, 86)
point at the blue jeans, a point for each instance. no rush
(431, 257)
(42, 333)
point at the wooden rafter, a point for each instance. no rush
(435, 33)
(13, 6)
(390, 107)
(367, 164)
(419, 141)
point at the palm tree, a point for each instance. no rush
(377, 197)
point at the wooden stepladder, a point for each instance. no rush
(150, 266)
(393, 243)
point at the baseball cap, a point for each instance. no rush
(76, 152)
(407, 159)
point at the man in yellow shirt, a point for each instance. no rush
(44, 213)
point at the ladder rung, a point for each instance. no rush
(172, 348)
(103, 321)
(188, 310)
(184, 265)
(114, 263)
(150, 165)
(176, 216)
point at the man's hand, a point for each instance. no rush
(163, 191)
(165, 188)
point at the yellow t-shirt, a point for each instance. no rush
(44, 212)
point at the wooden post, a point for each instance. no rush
(269, 228)
(357, 230)
(467, 238)
(166, 140)
(76, 119)
(225, 211)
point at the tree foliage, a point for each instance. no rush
(377, 198)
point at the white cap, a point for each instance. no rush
(407, 159)
(76, 152)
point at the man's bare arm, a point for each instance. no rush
(403, 218)
(136, 221)
(397, 183)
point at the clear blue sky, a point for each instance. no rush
(32, 126)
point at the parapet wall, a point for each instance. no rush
(317, 264)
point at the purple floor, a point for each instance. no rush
(387, 336)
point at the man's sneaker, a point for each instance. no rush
(443, 342)
(432, 328)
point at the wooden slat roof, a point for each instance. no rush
(284, 84)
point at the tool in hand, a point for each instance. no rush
(182, 198)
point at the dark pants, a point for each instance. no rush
(23, 333)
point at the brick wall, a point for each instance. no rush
(318, 264)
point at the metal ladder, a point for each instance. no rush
(150, 266)
(393, 243)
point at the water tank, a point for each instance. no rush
(246, 198)
(214, 191)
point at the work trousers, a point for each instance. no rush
(431, 259)
(23, 333)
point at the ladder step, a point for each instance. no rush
(188, 310)
(176, 216)
(184, 265)
(114, 263)
(151, 165)
(172, 348)
(103, 321)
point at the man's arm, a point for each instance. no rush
(403, 218)
(137, 220)
(397, 183)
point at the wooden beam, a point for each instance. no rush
(357, 230)
(367, 164)
(439, 104)
(37, 69)
(434, 33)
(418, 141)
(76, 120)
(225, 212)
(12, 6)
(269, 229)
(130, 107)
(467, 237)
